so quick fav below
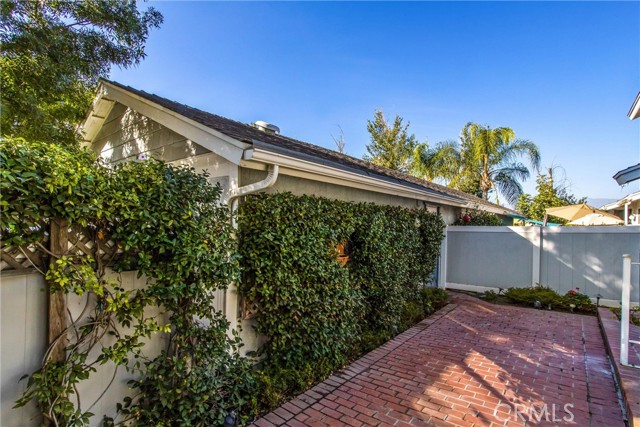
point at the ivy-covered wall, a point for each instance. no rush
(314, 312)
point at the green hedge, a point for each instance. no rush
(313, 310)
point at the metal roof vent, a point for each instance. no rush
(266, 127)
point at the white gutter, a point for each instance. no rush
(341, 177)
(270, 180)
(634, 112)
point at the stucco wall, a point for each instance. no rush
(301, 186)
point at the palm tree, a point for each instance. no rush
(484, 160)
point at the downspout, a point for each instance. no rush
(270, 180)
(232, 202)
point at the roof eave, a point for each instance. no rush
(629, 198)
(634, 112)
(335, 173)
(627, 175)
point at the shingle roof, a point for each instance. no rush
(249, 134)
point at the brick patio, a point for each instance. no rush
(471, 364)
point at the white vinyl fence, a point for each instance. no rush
(562, 258)
(23, 336)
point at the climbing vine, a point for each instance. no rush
(315, 312)
(166, 222)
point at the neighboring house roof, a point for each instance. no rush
(281, 144)
(627, 175)
(634, 112)
(620, 203)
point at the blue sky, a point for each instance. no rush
(563, 75)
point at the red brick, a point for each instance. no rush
(466, 363)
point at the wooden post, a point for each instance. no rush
(57, 318)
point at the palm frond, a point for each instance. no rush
(441, 161)
(520, 148)
(507, 184)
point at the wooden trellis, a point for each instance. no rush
(34, 256)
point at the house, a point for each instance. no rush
(631, 173)
(128, 124)
(628, 208)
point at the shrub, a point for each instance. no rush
(634, 314)
(580, 302)
(549, 297)
(490, 296)
(434, 298)
(428, 300)
(476, 217)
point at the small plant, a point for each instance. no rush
(634, 314)
(542, 297)
(476, 217)
(429, 300)
(490, 296)
(578, 302)
(434, 298)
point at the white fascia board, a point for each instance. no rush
(620, 203)
(317, 172)
(100, 109)
(491, 209)
(612, 206)
(217, 142)
(634, 112)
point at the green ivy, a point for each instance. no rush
(169, 225)
(314, 311)
(40, 181)
(309, 308)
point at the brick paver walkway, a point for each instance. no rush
(628, 377)
(471, 364)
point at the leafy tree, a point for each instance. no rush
(550, 195)
(54, 52)
(391, 146)
(485, 160)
